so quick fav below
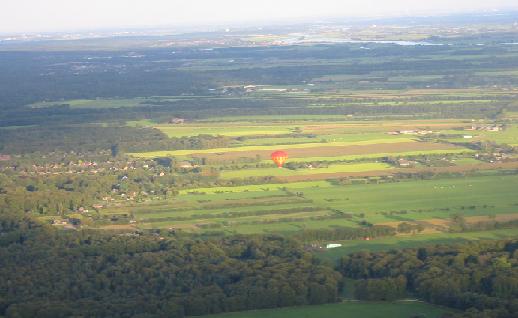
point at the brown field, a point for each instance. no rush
(499, 218)
(464, 168)
(385, 126)
(332, 151)
(119, 227)
(441, 225)
(216, 204)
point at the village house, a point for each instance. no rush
(486, 127)
(249, 88)
(59, 222)
(405, 163)
(186, 165)
(176, 121)
(410, 132)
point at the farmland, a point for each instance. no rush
(290, 207)
(330, 169)
(252, 150)
(340, 173)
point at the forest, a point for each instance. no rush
(478, 278)
(46, 273)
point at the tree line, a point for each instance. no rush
(479, 278)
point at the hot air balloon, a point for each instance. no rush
(279, 157)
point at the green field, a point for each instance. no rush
(259, 187)
(235, 130)
(345, 137)
(508, 136)
(275, 118)
(402, 309)
(416, 200)
(106, 103)
(413, 241)
(289, 207)
(95, 103)
(173, 153)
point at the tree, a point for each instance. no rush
(114, 150)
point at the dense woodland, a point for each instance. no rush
(93, 139)
(45, 273)
(50, 273)
(479, 278)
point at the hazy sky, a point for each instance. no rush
(52, 15)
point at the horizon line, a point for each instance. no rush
(259, 23)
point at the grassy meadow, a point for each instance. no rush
(276, 172)
(289, 207)
(401, 309)
(413, 241)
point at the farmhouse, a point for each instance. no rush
(410, 132)
(274, 89)
(405, 163)
(176, 121)
(59, 222)
(186, 165)
(493, 128)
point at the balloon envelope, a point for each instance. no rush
(279, 157)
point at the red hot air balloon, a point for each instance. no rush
(279, 157)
